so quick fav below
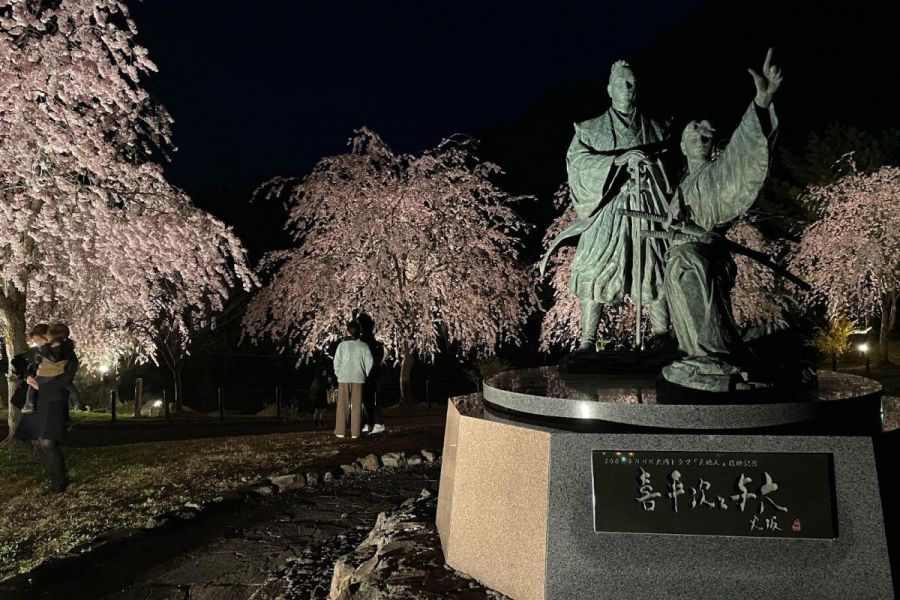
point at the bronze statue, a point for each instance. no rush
(613, 164)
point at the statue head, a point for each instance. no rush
(697, 140)
(622, 87)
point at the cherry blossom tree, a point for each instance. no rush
(851, 253)
(758, 295)
(427, 244)
(92, 229)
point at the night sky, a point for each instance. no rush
(259, 89)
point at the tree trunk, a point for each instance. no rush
(887, 318)
(179, 404)
(834, 361)
(893, 319)
(173, 355)
(406, 365)
(12, 315)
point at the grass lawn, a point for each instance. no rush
(123, 486)
(126, 415)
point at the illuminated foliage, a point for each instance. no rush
(93, 233)
(851, 253)
(427, 244)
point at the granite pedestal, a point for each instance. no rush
(517, 496)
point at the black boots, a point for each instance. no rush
(56, 468)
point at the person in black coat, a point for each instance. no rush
(45, 427)
(372, 423)
(318, 394)
(23, 368)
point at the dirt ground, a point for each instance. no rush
(121, 486)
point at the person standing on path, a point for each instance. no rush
(374, 423)
(352, 363)
(318, 394)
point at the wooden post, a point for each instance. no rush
(221, 405)
(138, 395)
(112, 404)
(165, 404)
(278, 401)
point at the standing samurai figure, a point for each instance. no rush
(612, 165)
(699, 271)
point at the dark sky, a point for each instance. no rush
(265, 88)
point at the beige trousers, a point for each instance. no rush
(349, 400)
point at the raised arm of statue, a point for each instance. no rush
(722, 190)
(767, 83)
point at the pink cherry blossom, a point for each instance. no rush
(95, 234)
(427, 244)
(850, 253)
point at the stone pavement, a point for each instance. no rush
(262, 546)
(241, 557)
(401, 559)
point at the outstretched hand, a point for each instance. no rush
(767, 83)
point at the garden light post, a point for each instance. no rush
(138, 396)
(105, 392)
(864, 350)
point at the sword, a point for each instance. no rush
(692, 232)
(636, 247)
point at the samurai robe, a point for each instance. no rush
(699, 271)
(604, 269)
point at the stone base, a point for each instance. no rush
(515, 511)
(492, 504)
(617, 362)
(841, 404)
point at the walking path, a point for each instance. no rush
(282, 546)
(242, 556)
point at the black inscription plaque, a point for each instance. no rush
(752, 494)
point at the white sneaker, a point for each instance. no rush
(365, 429)
(377, 429)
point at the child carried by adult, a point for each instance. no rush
(48, 395)
(55, 357)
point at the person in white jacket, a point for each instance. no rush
(352, 363)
